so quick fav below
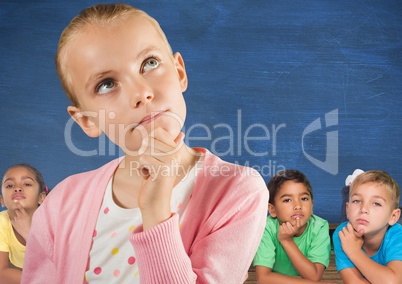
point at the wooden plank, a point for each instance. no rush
(330, 274)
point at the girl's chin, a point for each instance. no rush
(170, 122)
(20, 201)
(137, 149)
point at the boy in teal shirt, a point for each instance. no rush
(295, 242)
(368, 247)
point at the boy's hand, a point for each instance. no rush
(22, 221)
(351, 240)
(159, 165)
(287, 231)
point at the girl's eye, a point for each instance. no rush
(105, 86)
(376, 204)
(305, 199)
(356, 201)
(286, 200)
(9, 186)
(150, 64)
(27, 184)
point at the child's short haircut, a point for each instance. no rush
(381, 178)
(276, 182)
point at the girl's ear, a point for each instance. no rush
(85, 120)
(394, 216)
(2, 201)
(272, 211)
(42, 196)
(181, 70)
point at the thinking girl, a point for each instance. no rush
(22, 191)
(162, 213)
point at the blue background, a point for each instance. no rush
(261, 63)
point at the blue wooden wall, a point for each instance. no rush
(311, 85)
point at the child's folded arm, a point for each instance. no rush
(8, 275)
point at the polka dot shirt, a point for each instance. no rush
(112, 257)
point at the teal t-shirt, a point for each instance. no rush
(390, 249)
(315, 244)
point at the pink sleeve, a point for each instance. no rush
(222, 256)
(225, 255)
(38, 265)
(161, 256)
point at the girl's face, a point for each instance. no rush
(19, 185)
(126, 81)
(370, 209)
(293, 201)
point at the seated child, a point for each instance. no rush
(368, 247)
(22, 191)
(163, 213)
(295, 242)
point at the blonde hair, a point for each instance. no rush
(102, 14)
(382, 179)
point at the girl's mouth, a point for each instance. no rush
(18, 196)
(151, 117)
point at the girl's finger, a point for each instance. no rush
(160, 149)
(145, 172)
(180, 138)
(160, 134)
(20, 209)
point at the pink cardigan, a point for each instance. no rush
(223, 225)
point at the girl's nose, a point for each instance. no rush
(141, 94)
(18, 189)
(142, 100)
